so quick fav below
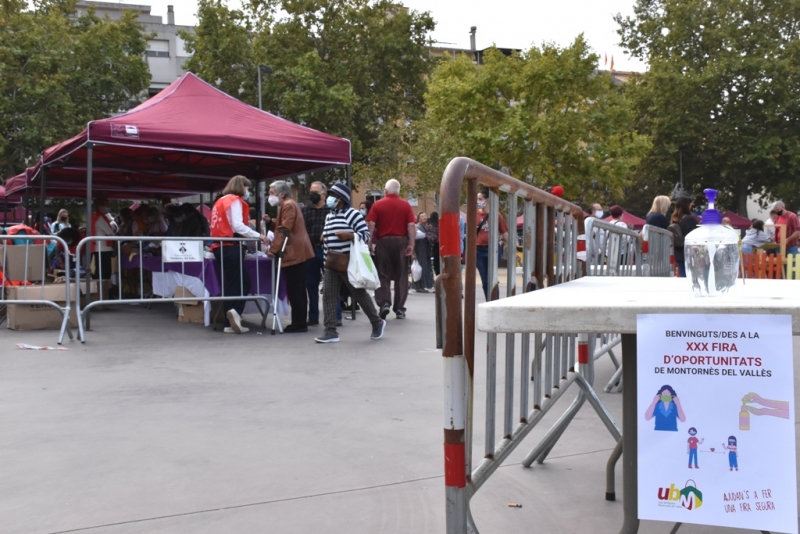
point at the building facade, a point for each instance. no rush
(166, 52)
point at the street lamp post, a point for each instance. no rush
(262, 187)
(266, 70)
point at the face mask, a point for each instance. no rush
(363, 212)
(63, 218)
(481, 204)
(273, 200)
(247, 195)
(666, 398)
(331, 202)
(104, 209)
(598, 214)
(314, 197)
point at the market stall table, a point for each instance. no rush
(205, 280)
(609, 304)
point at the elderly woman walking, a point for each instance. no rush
(342, 225)
(291, 225)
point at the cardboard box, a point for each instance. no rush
(37, 317)
(193, 311)
(14, 267)
(53, 292)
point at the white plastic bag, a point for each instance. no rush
(416, 271)
(361, 271)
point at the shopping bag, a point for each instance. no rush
(361, 271)
(416, 271)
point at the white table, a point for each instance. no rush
(611, 304)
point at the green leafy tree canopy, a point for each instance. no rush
(59, 71)
(546, 115)
(722, 88)
(351, 68)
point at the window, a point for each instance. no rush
(157, 48)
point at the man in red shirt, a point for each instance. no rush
(691, 447)
(792, 226)
(392, 225)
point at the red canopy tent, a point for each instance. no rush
(737, 221)
(191, 137)
(630, 219)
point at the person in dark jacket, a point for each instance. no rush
(683, 221)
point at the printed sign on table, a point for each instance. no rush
(181, 251)
(715, 403)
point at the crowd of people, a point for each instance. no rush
(761, 234)
(313, 245)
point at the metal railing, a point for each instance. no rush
(31, 260)
(548, 366)
(142, 255)
(657, 251)
(613, 250)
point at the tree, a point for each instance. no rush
(722, 88)
(351, 68)
(59, 71)
(546, 115)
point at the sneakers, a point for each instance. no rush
(385, 309)
(330, 336)
(236, 322)
(401, 314)
(230, 330)
(377, 329)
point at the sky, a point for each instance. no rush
(505, 23)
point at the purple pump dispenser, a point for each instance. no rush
(711, 216)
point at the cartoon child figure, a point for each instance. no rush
(733, 457)
(691, 447)
(666, 409)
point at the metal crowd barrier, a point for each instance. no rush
(136, 247)
(657, 252)
(32, 286)
(550, 232)
(612, 250)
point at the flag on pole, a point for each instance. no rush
(605, 59)
(612, 63)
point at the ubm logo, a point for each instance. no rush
(689, 497)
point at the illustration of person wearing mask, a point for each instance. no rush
(666, 409)
(733, 456)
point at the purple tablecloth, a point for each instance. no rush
(259, 269)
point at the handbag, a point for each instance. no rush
(336, 261)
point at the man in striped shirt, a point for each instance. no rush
(342, 225)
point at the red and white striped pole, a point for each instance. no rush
(583, 349)
(455, 379)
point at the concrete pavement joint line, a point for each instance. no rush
(236, 506)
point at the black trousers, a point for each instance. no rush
(235, 280)
(296, 289)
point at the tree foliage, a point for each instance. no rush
(351, 68)
(546, 115)
(722, 86)
(59, 71)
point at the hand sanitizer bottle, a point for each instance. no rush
(711, 253)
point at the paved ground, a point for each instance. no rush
(158, 427)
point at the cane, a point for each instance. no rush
(276, 291)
